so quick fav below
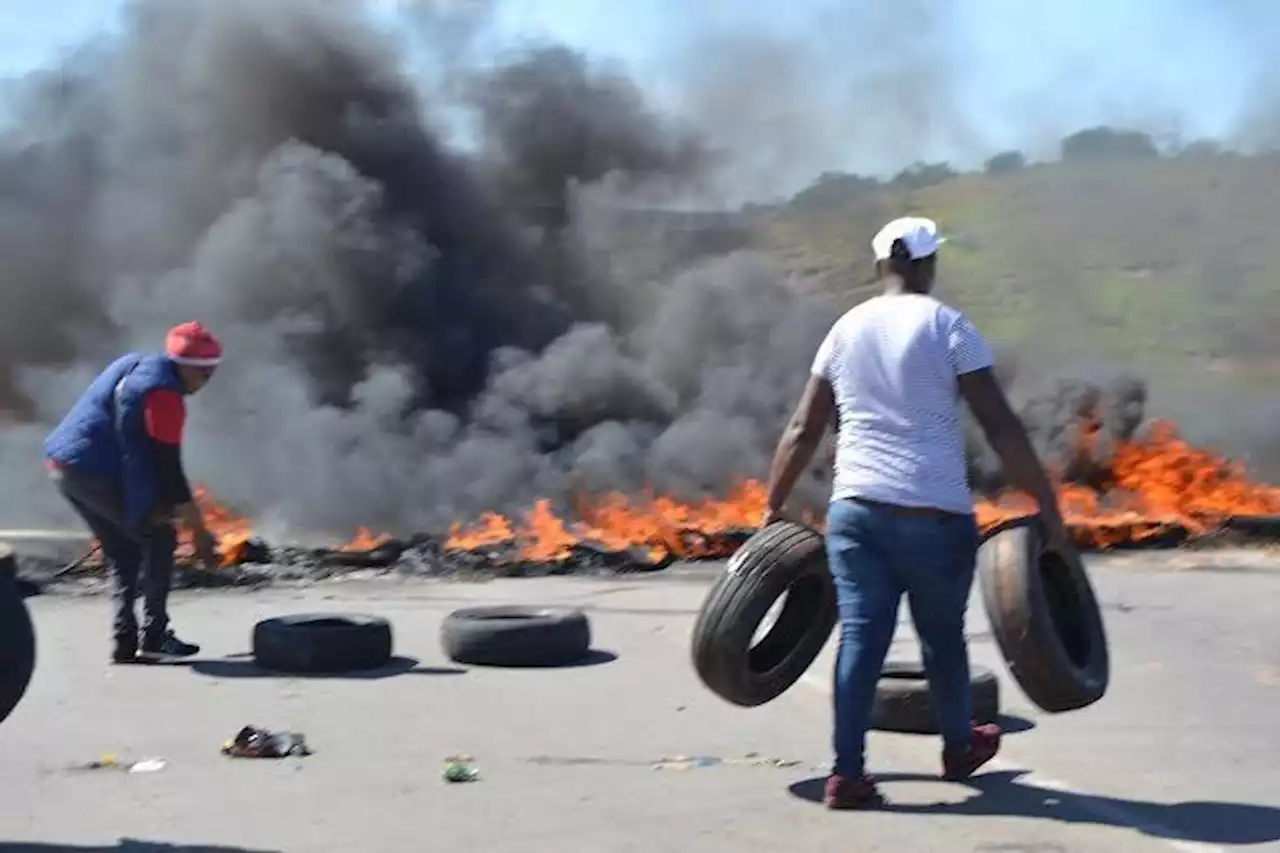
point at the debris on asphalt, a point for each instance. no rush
(110, 761)
(755, 759)
(253, 742)
(682, 762)
(751, 759)
(459, 768)
(107, 762)
(679, 762)
(584, 761)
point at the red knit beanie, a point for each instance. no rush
(193, 345)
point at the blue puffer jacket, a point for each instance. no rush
(103, 435)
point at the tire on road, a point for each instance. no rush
(322, 643)
(903, 703)
(784, 557)
(17, 637)
(514, 636)
(1045, 618)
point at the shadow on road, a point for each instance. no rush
(595, 657)
(243, 666)
(1001, 794)
(126, 845)
(1012, 725)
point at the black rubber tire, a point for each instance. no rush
(17, 637)
(322, 643)
(783, 557)
(1045, 618)
(903, 704)
(510, 635)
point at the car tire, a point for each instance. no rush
(516, 636)
(322, 643)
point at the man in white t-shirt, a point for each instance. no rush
(901, 516)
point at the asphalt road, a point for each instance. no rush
(1181, 755)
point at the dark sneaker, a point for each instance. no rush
(961, 765)
(843, 793)
(124, 652)
(169, 646)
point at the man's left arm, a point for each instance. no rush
(799, 442)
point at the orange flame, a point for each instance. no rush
(1159, 484)
(365, 540)
(234, 532)
(659, 527)
(1152, 486)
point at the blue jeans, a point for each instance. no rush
(875, 556)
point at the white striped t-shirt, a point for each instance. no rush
(892, 362)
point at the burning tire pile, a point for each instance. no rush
(1133, 486)
(1124, 482)
(1148, 488)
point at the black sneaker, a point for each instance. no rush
(124, 652)
(168, 647)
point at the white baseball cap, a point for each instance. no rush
(918, 234)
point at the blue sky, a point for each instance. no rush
(989, 73)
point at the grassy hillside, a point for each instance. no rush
(1172, 261)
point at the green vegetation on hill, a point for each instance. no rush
(1117, 251)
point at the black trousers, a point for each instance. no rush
(134, 558)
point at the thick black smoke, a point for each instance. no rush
(414, 334)
(1074, 427)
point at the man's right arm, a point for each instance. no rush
(164, 416)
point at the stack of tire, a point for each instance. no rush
(1042, 608)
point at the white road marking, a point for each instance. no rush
(1111, 813)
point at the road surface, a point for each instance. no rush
(1183, 754)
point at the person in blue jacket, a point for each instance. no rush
(117, 459)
